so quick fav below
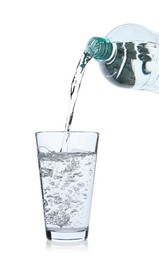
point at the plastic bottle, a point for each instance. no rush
(128, 57)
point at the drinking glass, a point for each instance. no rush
(67, 163)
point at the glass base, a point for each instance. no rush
(67, 234)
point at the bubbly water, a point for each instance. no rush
(67, 184)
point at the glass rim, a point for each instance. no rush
(63, 132)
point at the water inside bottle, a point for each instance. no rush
(132, 64)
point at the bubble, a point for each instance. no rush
(80, 184)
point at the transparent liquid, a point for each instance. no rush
(75, 87)
(74, 91)
(67, 185)
(133, 64)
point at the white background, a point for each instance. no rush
(40, 45)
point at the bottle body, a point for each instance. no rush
(134, 65)
(134, 59)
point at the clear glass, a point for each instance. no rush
(67, 179)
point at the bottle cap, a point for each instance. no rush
(99, 48)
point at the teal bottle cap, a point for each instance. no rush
(99, 48)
